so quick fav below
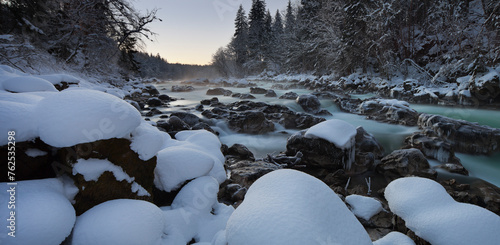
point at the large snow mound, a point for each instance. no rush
(176, 164)
(72, 117)
(338, 132)
(23, 84)
(147, 140)
(394, 238)
(120, 221)
(291, 207)
(17, 117)
(363, 207)
(43, 215)
(435, 216)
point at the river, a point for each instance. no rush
(389, 136)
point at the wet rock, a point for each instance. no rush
(270, 93)
(391, 111)
(187, 117)
(250, 122)
(289, 96)
(202, 125)
(219, 91)
(463, 136)
(231, 193)
(292, 120)
(164, 97)
(348, 105)
(246, 97)
(151, 89)
(172, 125)
(368, 151)
(199, 107)
(153, 112)
(182, 88)
(454, 168)
(240, 152)
(309, 103)
(118, 152)
(154, 102)
(432, 147)
(479, 192)
(246, 172)
(404, 162)
(486, 89)
(317, 152)
(257, 90)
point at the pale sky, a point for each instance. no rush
(192, 30)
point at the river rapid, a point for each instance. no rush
(390, 136)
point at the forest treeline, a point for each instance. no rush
(93, 36)
(434, 37)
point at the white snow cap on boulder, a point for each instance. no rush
(364, 207)
(43, 214)
(120, 221)
(394, 238)
(338, 132)
(291, 207)
(72, 117)
(23, 84)
(435, 216)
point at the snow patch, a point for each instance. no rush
(363, 207)
(32, 152)
(24, 84)
(394, 238)
(435, 216)
(147, 140)
(121, 221)
(291, 207)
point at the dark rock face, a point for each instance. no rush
(246, 97)
(289, 96)
(250, 122)
(270, 93)
(153, 112)
(317, 152)
(432, 147)
(368, 151)
(463, 136)
(405, 162)
(106, 188)
(309, 103)
(154, 102)
(391, 111)
(479, 192)
(239, 151)
(187, 117)
(486, 90)
(292, 120)
(151, 89)
(257, 90)
(34, 160)
(172, 125)
(182, 88)
(219, 91)
(164, 97)
(246, 172)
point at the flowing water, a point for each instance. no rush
(389, 136)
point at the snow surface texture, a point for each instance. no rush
(92, 169)
(84, 116)
(190, 214)
(341, 133)
(433, 215)
(394, 238)
(120, 221)
(43, 214)
(148, 140)
(291, 207)
(196, 153)
(27, 84)
(363, 207)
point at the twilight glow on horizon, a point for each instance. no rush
(192, 30)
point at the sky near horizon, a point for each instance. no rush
(192, 30)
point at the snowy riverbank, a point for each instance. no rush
(90, 169)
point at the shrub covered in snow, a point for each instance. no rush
(291, 207)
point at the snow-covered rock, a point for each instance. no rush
(120, 221)
(18, 117)
(42, 213)
(394, 238)
(23, 84)
(176, 164)
(72, 117)
(363, 207)
(291, 207)
(433, 215)
(338, 132)
(147, 140)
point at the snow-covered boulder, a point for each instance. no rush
(363, 207)
(329, 144)
(120, 221)
(195, 213)
(433, 215)
(147, 140)
(72, 117)
(41, 213)
(23, 84)
(291, 207)
(394, 238)
(18, 117)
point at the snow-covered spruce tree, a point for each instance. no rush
(277, 52)
(256, 37)
(239, 43)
